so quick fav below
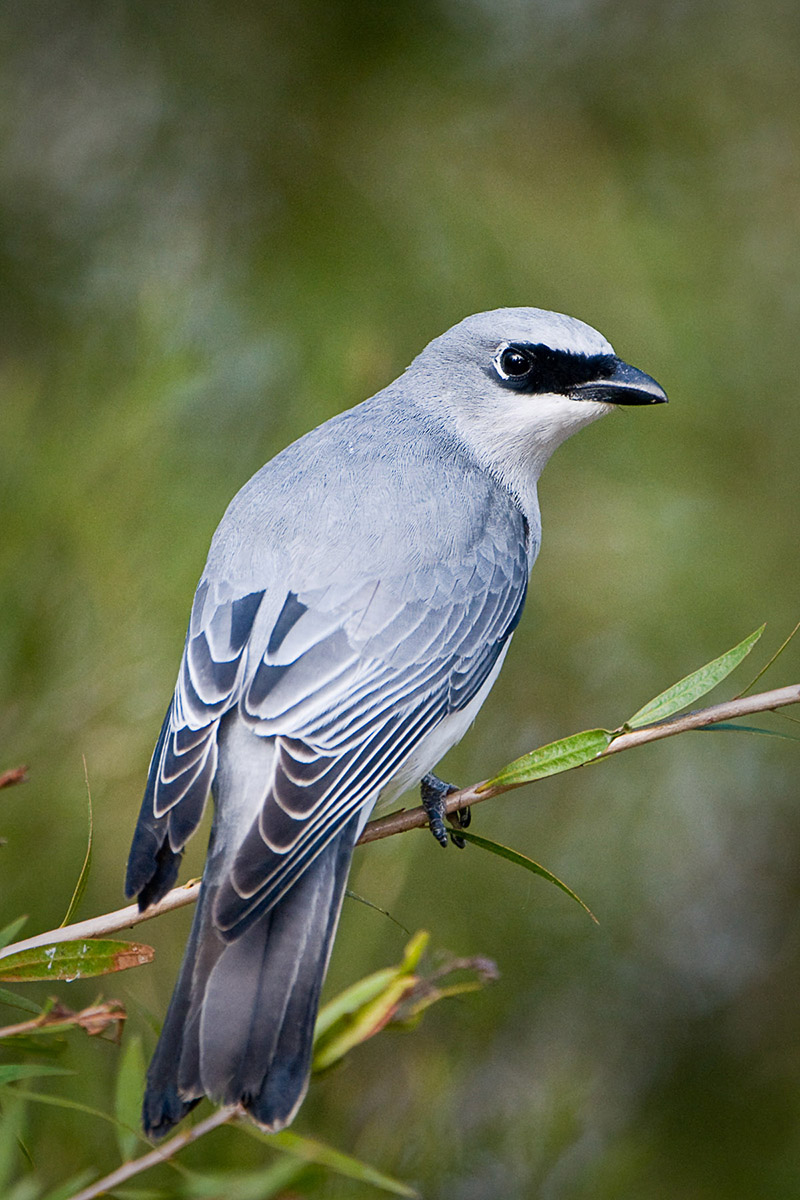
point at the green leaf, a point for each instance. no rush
(362, 1010)
(734, 727)
(357, 996)
(19, 1001)
(11, 1130)
(73, 960)
(310, 1150)
(65, 1191)
(75, 1106)
(140, 1193)
(9, 934)
(415, 950)
(364, 1023)
(364, 991)
(569, 752)
(10, 1072)
(83, 878)
(149, 1193)
(128, 1095)
(522, 861)
(240, 1185)
(686, 691)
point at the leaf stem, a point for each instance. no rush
(83, 877)
(769, 663)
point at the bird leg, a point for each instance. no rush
(433, 792)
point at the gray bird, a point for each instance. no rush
(357, 604)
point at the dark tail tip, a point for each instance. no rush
(162, 1110)
(282, 1094)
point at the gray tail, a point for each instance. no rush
(240, 1025)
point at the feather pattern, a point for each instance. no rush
(346, 690)
(356, 605)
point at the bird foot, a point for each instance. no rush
(434, 792)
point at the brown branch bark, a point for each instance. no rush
(416, 818)
(729, 710)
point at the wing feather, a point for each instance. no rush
(262, 874)
(347, 679)
(184, 761)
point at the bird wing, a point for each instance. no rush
(346, 680)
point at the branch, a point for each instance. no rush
(122, 918)
(161, 1154)
(94, 1020)
(416, 818)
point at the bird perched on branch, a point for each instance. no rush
(357, 604)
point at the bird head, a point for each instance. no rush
(517, 382)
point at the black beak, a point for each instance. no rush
(623, 384)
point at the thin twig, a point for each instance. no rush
(416, 818)
(161, 1154)
(729, 710)
(770, 661)
(113, 922)
(94, 1020)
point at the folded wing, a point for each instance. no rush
(344, 682)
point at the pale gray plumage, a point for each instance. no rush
(357, 602)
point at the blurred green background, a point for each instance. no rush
(219, 225)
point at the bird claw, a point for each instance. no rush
(434, 792)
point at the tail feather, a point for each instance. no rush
(283, 1087)
(240, 1024)
(164, 1104)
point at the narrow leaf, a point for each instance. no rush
(128, 1096)
(359, 994)
(736, 728)
(74, 1106)
(139, 1193)
(569, 752)
(415, 950)
(273, 1180)
(9, 934)
(364, 1023)
(692, 687)
(73, 960)
(66, 1191)
(364, 991)
(9, 1072)
(528, 863)
(19, 1001)
(311, 1150)
(11, 1128)
(363, 1009)
(83, 878)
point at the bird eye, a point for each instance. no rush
(513, 363)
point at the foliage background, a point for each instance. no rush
(220, 224)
